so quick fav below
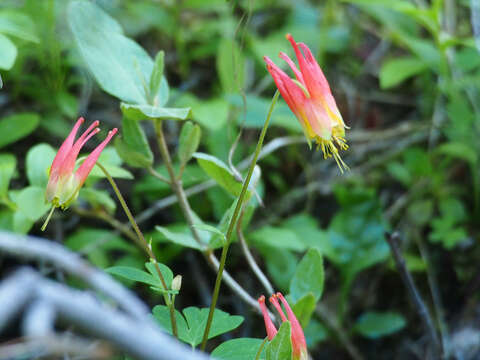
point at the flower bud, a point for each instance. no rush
(177, 283)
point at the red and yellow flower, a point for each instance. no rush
(310, 99)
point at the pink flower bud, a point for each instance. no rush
(271, 329)
(299, 345)
(64, 182)
(310, 99)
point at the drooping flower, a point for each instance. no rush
(299, 345)
(310, 99)
(64, 182)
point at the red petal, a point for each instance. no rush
(65, 148)
(292, 65)
(298, 338)
(291, 93)
(315, 81)
(87, 166)
(274, 301)
(69, 164)
(271, 330)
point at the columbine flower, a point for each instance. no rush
(64, 182)
(310, 99)
(299, 345)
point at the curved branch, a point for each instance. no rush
(39, 249)
(139, 337)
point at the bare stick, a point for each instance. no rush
(39, 319)
(417, 300)
(437, 301)
(13, 297)
(55, 346)
(250, 260)
(139, 337)
(34, 248)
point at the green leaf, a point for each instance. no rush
(157, 74)
(133, 148)
(135, 274)
(253, 115)
(280, 348)
(98, 199)
(67, 103)
(281, 265)
(277, 237)
(212, 114)
(308, 231)
(188, 142)
(16, 127)
(8, 51)
(113, 170)
(142, 112)
(446, 233)
(420, 211)
(315, 332)
(8, 163)
(425, 50)
(377, 324)
(197, 320)
(161, 313)
(304, 308)
(179, 238)
(210, 229)
(308, 277)
(219, 171)
(395, 71)
(453, 208)
(118, 63)
(194, 321)
(239, 349)
(22, 223)
(400, 172)
(17, 24)
(101, 247)
(6, 220)
(356, 232)
(164, 269)
(230, 66)
(39, 159)
(458, 150)
(31, 202)
(111, 161)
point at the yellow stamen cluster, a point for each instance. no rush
(329, 149)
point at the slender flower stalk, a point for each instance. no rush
(64, 182)
(299, 345)
(233, 221)
(310, 99)
(146, 246)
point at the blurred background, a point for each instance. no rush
(406, 77)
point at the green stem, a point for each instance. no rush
(44, 226)
(175, 181)
(233, 220)
(259, 352)
(159, 176)
(144, 244)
